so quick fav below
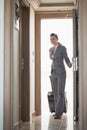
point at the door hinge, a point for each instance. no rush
(22, 64)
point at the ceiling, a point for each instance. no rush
(53, 5)
(56, 1)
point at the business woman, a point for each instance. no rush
(58, 54)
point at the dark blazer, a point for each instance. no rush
(58, 59)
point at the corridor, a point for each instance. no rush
(47, 122)
(20, 25)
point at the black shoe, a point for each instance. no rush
(54, 114)
(57, 117)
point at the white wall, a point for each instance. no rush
(32, 62)
(83, 64)
(16, 76)
(1, 60)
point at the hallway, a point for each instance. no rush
(47, 122)
(10, 12)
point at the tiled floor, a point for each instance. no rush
(47, 121)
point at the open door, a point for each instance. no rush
(75, 67)
(24, 63)
(38, 61)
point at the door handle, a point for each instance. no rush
(75, 64)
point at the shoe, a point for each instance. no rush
(57, 117)
(54, 114)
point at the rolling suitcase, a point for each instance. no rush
(51, 102)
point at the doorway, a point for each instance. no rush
(59, 15)
(64, 29)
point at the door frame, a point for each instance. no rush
(75, 67)
(38, 17)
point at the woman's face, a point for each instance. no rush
(53, 40)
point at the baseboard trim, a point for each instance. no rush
(34, 114)
(17, 124)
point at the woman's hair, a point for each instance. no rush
(53, 34)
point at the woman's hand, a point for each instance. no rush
(70, 65)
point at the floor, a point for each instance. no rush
(46, 121)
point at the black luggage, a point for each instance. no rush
(51, 102)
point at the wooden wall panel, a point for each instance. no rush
(37, 68)
(8, 65)
(83, 64)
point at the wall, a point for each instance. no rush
(16, 76)
(1, 60)
(83, 64)
(8, 40)
(32, 62)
